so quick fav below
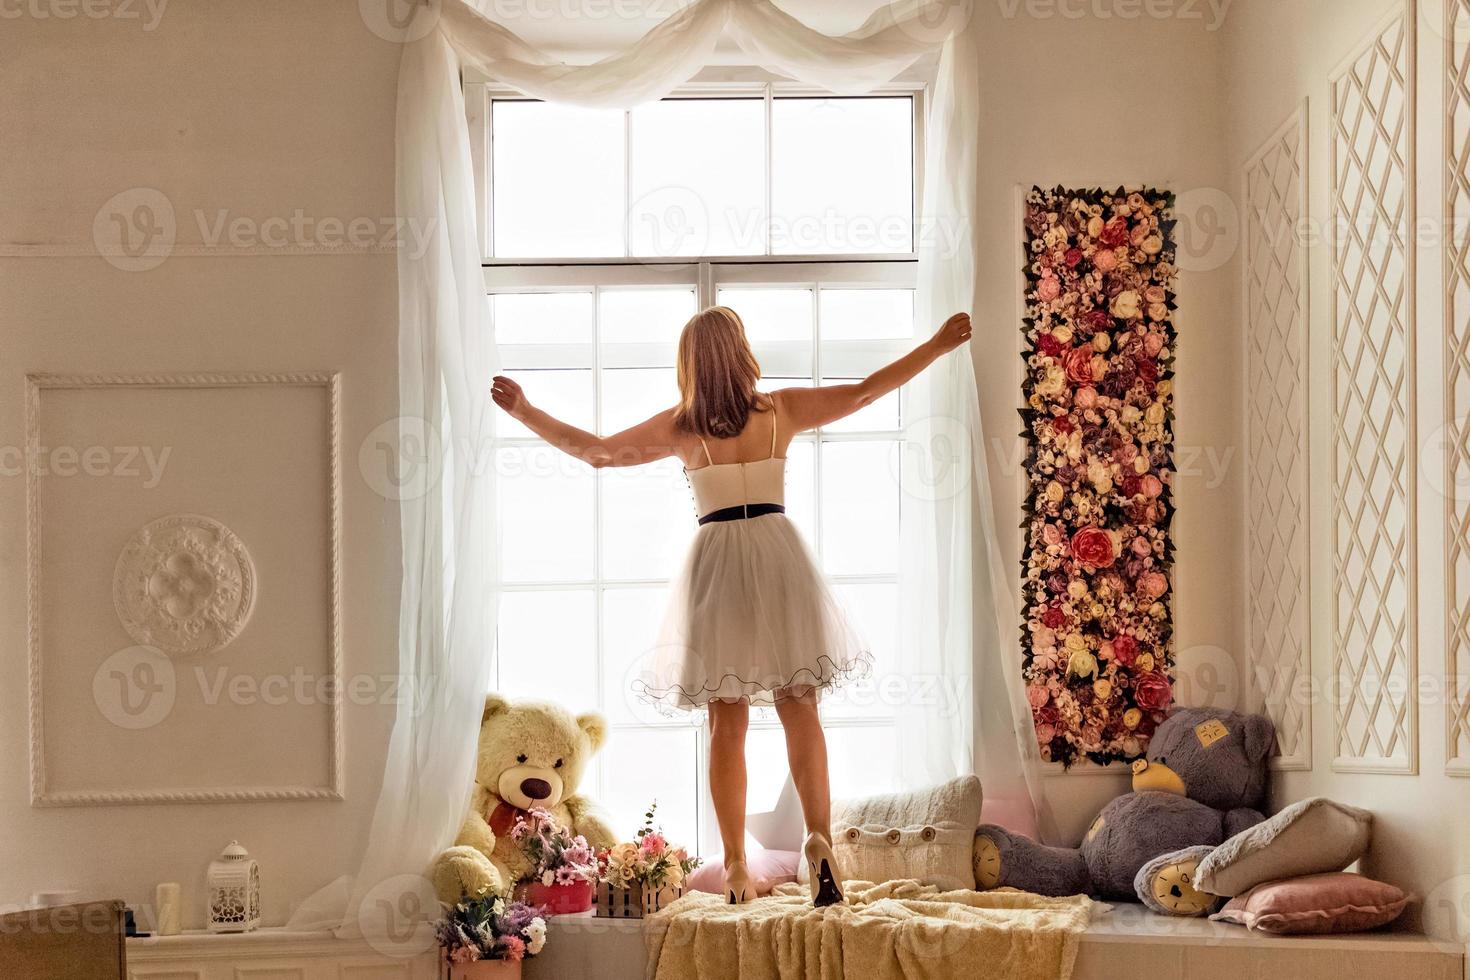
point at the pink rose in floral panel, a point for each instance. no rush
(1152, 486)
(1073, 257)
(1152, 344)
(1045, 733)
(1153, 584)
(1078, 362)
(1105, 260)
(1093, 546)
(1036, 696)
(1097, 319)
(1048, 289)
(1125, 649)
(1085, 397)
(1141, 547)
(1154, 294)
(1153, 691)
(1051, 534)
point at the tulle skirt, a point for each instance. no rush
(750, 618)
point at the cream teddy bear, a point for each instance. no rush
(531, 753)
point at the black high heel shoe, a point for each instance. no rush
(826, 881)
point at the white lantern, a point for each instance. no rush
(234, 891)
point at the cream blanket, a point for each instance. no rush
(896, 931)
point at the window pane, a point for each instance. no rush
(557, 627)
(863, 760)
(841, 176)
(644, 766)
(631, 395)
(867, 314)
(801, 489)
(697, 178)
(766, 768)
(565, 394)
(647, 520)
(859, 508)
(873, 610)
(545, 515)
(880, 416)
(778, 323)
(557, 180)
(630, 624)
(645, 316)
(775, 315)
(542, 318)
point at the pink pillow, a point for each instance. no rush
(1336, 902)
(768, 868)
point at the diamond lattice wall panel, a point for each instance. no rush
(1278, 621)
(1457, 389)
(1373, 520)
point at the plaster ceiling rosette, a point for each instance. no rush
(184, 584)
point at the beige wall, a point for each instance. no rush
(258, 110)
(1280, 53)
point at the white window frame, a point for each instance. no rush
(706, 274)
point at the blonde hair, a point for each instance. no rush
(717, 375)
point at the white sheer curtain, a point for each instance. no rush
(957, 614)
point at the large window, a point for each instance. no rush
(606, 232)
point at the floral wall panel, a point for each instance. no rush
(1098, 387)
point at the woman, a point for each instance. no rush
(750, 620)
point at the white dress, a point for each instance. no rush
(750, 616)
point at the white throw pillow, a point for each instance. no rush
(1310, 837)
(927, 835)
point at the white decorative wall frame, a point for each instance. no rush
(1278, 621)
(1374, 580)
(184, 584)
(1457, 389)
(226, 557)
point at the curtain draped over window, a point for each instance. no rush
(963, 707)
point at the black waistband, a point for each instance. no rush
(741, 511)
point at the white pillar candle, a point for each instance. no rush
(166, 898)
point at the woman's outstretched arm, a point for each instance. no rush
(807, 408)
(645, 442)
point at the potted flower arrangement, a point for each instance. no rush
(641, 876)
(563, 865)
(486, 938)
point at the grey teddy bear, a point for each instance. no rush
(1203, 780)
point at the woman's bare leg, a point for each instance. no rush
(806, 753)
(728, 721)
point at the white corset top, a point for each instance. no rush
(721, 485)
